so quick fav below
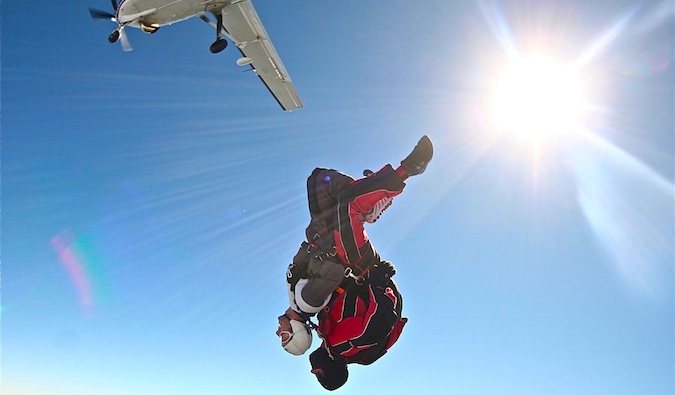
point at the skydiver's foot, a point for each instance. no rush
(419, 158)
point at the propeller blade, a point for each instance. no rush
(114, 4)
(126, 46)
(98, 14)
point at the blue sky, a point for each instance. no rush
(152, 200)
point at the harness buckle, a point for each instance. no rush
(317, 253)
(349, 273)
(332, 253)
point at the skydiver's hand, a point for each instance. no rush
(380, 274)
(388, 268)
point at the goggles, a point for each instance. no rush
(286, 336)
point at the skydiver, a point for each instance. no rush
(338, 253)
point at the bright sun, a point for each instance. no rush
(536, 99)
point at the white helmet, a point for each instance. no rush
(300, 340)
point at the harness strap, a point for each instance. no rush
(321, 255)
(308, 320)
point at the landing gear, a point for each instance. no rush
(114, 36)
(220, 43)
(117, 34)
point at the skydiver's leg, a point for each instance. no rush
(363, 195)
(322, 189)
(324, 278)
(312, 280)
(416, 162)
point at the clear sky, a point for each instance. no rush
(151, 200)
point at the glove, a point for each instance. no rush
(388, 268)
(381, 273)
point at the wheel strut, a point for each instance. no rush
(220, 43)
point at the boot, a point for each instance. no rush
(417, 161)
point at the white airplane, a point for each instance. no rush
(235, 19)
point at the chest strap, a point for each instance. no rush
(321, 255)
(317, 253)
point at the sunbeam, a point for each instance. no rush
(604, 40)
(624, 201)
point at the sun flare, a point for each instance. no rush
(536, 98)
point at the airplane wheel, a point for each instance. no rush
(218, 46)
(114, 36)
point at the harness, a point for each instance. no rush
(308, 321)
(317, 253)
(321, 255)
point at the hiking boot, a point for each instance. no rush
(417, 161)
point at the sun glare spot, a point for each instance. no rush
(536, 99)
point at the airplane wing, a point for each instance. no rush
(244, 28)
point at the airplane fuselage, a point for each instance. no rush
(163, 12)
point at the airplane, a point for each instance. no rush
(235, 19)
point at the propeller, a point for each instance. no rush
(126, 46)
(118, 34)
(99, 14)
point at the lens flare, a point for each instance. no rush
(73, 261)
